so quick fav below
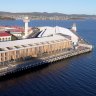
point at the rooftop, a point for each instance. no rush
(33, 41)
(3, 33)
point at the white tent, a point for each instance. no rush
(49, 31)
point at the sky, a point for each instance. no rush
(61, 6)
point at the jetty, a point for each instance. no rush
(14, 66)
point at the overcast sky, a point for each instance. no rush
(61, 6)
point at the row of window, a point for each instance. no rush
(5, 39)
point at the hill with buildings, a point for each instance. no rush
(45, 16)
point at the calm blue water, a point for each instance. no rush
(75, 76)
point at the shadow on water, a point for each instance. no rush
(23, 72)
(32, 74)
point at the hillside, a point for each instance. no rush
(45, 16)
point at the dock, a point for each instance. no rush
(46, 59)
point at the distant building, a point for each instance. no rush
(4, 36)
(74, 28)
(17, 32)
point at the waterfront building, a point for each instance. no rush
(4, 36)
(22, 49)
(18, 31)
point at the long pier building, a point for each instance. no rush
(21, 49)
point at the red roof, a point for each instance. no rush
(17, 30)
(4, 34)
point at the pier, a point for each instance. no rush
(46, 59)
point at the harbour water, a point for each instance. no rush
(75, 76)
